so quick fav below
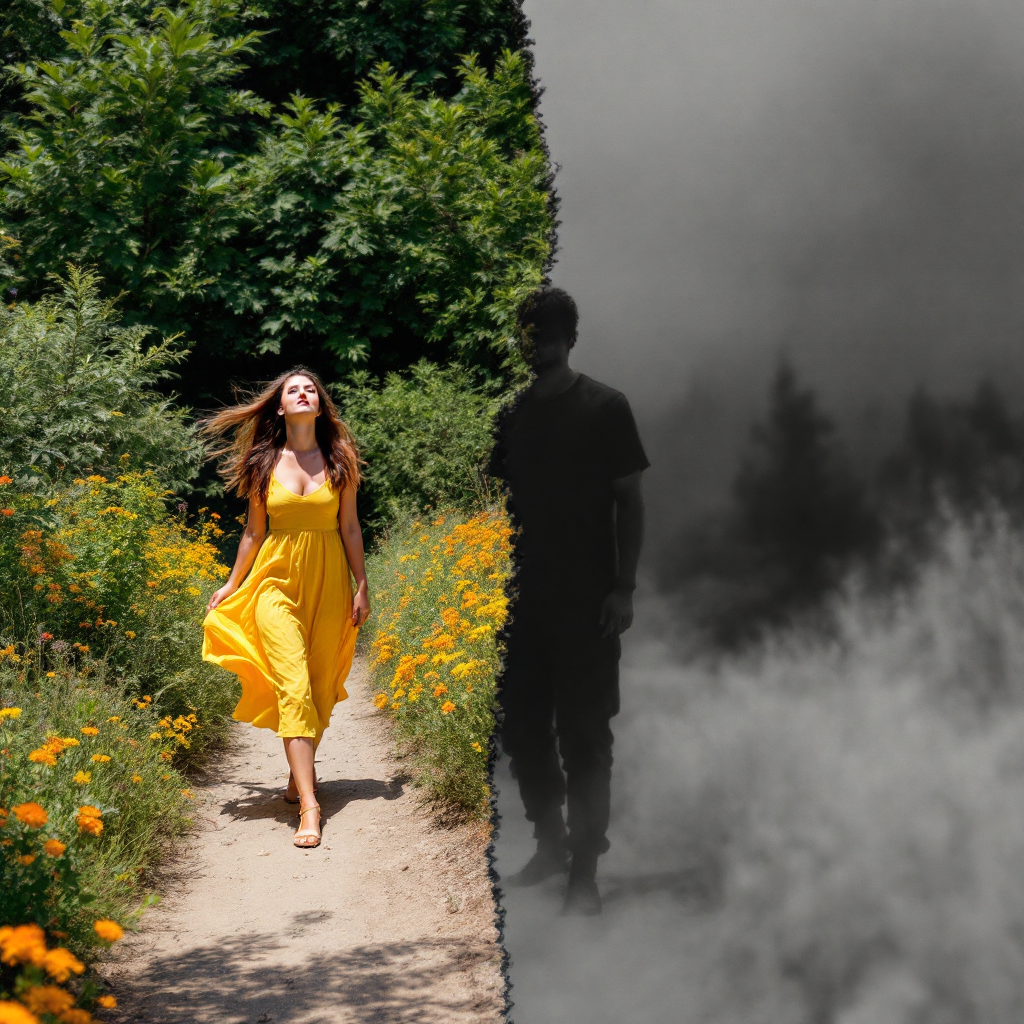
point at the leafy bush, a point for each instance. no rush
(77, 391)
(423, 435)
(101, 570)
(414, 220)
(439, 601)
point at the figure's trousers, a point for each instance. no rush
(558, 692)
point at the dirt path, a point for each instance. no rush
(390, 920)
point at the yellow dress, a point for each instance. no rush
(287, 631)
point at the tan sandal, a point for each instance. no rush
(305, 838)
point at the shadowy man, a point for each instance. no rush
(571, 457)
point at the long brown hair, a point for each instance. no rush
(257, 434)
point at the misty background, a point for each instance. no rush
(805, 216)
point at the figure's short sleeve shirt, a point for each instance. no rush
(559, 456)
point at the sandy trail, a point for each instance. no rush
(390, 920)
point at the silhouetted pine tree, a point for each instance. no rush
(800, 509)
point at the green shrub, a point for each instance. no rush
(423, 435)
(439, 600)
(102, 571)
(77, 391)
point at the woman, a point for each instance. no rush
(289, 630)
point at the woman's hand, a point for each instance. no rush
(360, 605)
(218, 595)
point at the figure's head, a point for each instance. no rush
(547, 322)
(258, 430)
(299, 395)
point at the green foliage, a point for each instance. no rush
(103, 570)
(325, 47)
(123, 159)
(423, 436)
(439, 600)
(411, 222)
(138, 792)
(77, 391)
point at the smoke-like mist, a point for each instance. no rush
(830, 834)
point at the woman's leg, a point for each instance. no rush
(300, 750)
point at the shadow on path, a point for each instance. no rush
(247, 980)
(261, 801)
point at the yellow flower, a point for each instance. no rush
(136, 778)
(31, 814)
(54, 848)
(60, 964)
(447, 707)
(155, 736)
(131, 636)
(166, 756)
(76, 1016)
(43, 756)
(50, 675)
(109, 931)
(187, 794)
(114, 718)
(82, 778)
(380, 700)
(70, 741)
(100, 758)
(9, 713)
(90, 730)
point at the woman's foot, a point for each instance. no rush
(308, 835)
(291, 793)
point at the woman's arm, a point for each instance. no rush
(248, 547)
(352, 538)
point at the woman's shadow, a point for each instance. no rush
(262, 801)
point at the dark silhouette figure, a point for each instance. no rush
(571, 457)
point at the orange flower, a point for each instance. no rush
(440, 690)
(90, 730)
(109, 931)
(447, 707)
(15, 1013)
(6, 511)
(24, 944)
(100, 758)
(107, 1002)
(89, 820)
(380, 701)
(54, 848)
(76, 1016)
(43, 756)
(82, 778)
(5, 480)
(60, 964)
(49, 999)
(31, 814)
(26, 858)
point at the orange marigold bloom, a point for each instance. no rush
(6, 511)
(100, 758)
(48, 999)
(5, 480)
(24, 944)
(82, 778)
(447, 707)
(380, 700)
(54, 848)
(76, 1016)
(31, 814)
(440, 690)
(107, 1002)
(15, 1013)
(60, 964)
(43, 756)
(26, 858)
(90, 730)
(109, 931)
